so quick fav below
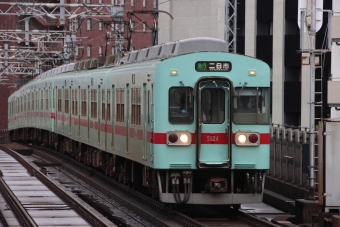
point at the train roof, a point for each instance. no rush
(161, 51)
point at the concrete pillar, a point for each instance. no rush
(250, 28)
(278, 68)
(165, 22)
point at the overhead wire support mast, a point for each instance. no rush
(56, 12)
(230, 24)
(312, 51)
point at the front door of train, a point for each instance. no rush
(213, 126)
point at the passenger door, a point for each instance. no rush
(213, 134)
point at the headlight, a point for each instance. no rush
(247, 138)
(184, 138)
(178, 138)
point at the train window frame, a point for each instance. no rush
(258, 106)
(181, 105)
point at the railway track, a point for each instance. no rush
(21, 213)
(144, 210)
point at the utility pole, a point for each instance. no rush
(312, 34)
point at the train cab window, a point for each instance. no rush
(213, 106)
(251, 106)
(181, 107)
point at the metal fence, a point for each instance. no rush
(4, 136)
(289, 155)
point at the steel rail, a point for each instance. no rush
(83, 212)
(130, 193)
(17, 208)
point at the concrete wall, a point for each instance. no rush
(199, 18)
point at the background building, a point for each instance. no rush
(268, 30)
(85, 34)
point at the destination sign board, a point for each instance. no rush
(213, 66)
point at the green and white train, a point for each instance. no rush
(185, 119)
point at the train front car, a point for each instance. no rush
(211, 128)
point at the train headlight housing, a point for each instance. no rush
(178, 138)
(247, 138)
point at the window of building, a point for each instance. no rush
(144, 3)
(74, 101)
(120, 104)
(89, 54)
(93, 103)
(144, 27)
(181, 108)
(135, 106)
(132, 2)
(100, 51)
(155, 4)
(77, 51)
(88, 1)
(100, 25)
(76, 23)
(83, 102)
(89, 23)
(67, 98)
(100, 1)
(113, 50)
(118, 2)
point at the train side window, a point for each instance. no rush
(103, 104)
(120, 104)
(74, 101)
(66, 101)
(29, 102)
(83, 102)
(33, 100)
(42, 99)
(108, 108)
(181, 108)
(93, 103)
(135, 106)
(46, 99)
